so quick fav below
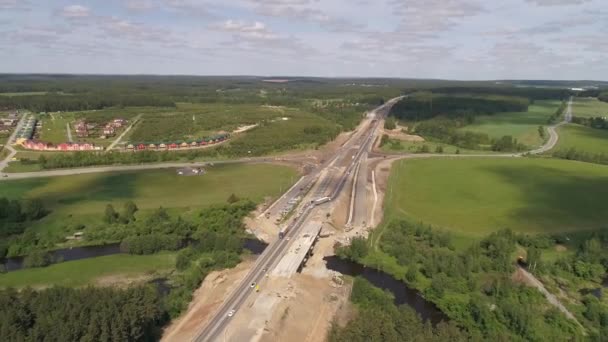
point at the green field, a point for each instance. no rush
(473, 197)
(589, 107)
(91, 271)
(582, 138)
(521, 125)
(54, 128)
(81, 199)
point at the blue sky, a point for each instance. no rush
(455, 39)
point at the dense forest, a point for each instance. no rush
(88, 314)
(532, 93)
(422, 106)
(474, 287)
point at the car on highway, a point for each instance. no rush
(231, 313)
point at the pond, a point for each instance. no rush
(402, 293)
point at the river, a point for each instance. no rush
(402, 293)
(78, 253)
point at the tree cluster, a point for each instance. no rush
(88, 314)
(597, 122)
(378, 319)
(574, 154)
(472, 287)
(423, 106)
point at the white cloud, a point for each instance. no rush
(557, 2)
(75, 11)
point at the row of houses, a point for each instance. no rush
(178, 145)
(27, 131)
(46, 146)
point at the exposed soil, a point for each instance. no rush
(206, 299)
(308, 315)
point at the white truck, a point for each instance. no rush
(321, 200)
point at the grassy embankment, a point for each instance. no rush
(473, 197)
(78, 202)
(523, 126)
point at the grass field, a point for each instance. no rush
(54, 128)
(414, 146)
(583, 138)
(81, 199)
(521, 125)
(589, 107)
(92, 271)
(473, 197)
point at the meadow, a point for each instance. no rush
(521, 125)
(473, 197)
(93, 271)
(582, 138)
(589, 107)
(81, 199)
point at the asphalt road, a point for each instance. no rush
(11, 139)
(275, 251)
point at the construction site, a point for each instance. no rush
(295, 296)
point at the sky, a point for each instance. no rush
(449, 39)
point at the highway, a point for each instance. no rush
(275, 251)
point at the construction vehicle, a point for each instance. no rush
(321, 200)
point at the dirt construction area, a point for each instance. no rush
(205, 301)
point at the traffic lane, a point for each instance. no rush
(257, 274)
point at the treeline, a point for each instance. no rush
(378, 319)
(260, 141)
(603, 96)
(596, 122)
(14, 216)
(53, 102)
(88, 314)
(422, 106)
(446, 131)
(588, 157)
(473, 287)
(531, 93)
(558, 113)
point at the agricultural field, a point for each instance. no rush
(473, 197)
(582, 138)
(589, 107)
(523, 126)
(94, 271)
(81, 199)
